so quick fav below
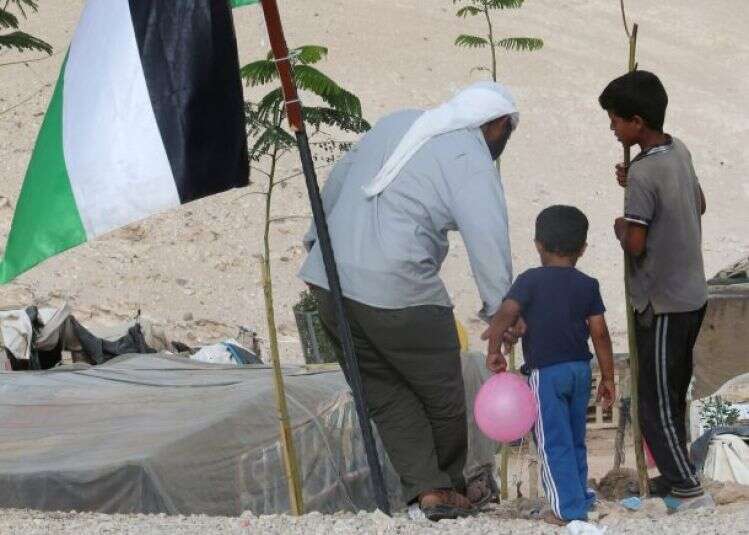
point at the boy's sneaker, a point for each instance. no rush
(677, 505)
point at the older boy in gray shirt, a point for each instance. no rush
(662, 232)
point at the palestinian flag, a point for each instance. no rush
(147, 114)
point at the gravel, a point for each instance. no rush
(726, 520)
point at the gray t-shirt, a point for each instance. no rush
(663, 193)
(389, 248)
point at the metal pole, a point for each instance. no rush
(351, 368)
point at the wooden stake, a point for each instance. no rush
(504, 458)
(634, 368)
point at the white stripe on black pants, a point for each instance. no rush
(665, 345)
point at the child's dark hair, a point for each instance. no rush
(637, 93)
(562, 230)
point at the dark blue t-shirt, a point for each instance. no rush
(555, 303)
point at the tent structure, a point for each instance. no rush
(157, 433)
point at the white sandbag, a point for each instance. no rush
(728, 460)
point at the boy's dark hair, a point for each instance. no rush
(637, 93)
(562, 229)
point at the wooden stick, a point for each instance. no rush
(634, 367)
(620, 455)
(504, 457)
(532, 470)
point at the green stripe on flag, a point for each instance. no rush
(46, 219)
(240, 3)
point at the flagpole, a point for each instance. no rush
(351, 364)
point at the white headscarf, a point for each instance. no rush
(472, 107)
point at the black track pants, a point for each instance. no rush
(665, 343)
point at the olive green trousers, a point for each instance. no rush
(409, 361)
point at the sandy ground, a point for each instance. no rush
(731, 520)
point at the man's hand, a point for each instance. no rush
(504, 328)
(621, 174)
(606, 393)
(496, 362)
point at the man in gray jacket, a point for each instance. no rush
(390, 203)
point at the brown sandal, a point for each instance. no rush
(443, 504)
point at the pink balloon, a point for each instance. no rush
(648, 455)
(505, 408)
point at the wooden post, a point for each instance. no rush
(532, 470)
(504, 459)
(642, 470)
(620, 456)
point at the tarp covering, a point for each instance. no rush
(154, 433)
(722, 349)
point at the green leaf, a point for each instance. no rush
(270, 103)
(471, 41)
(259, 72)
(309, 54)
(319, 116)
(268, 139)
(31, 4)
(468, 11)
(22, 41)
(521, 44)
(504, 4)
(306, 55)
(310, 79)
(8, 20)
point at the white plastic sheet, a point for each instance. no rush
(728, 460)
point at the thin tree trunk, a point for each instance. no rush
(491, 42)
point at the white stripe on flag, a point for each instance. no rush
(114, 154)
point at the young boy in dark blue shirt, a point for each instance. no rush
(561, 307)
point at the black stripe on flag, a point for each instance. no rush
(189, 55)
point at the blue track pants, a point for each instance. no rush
(562, 392)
